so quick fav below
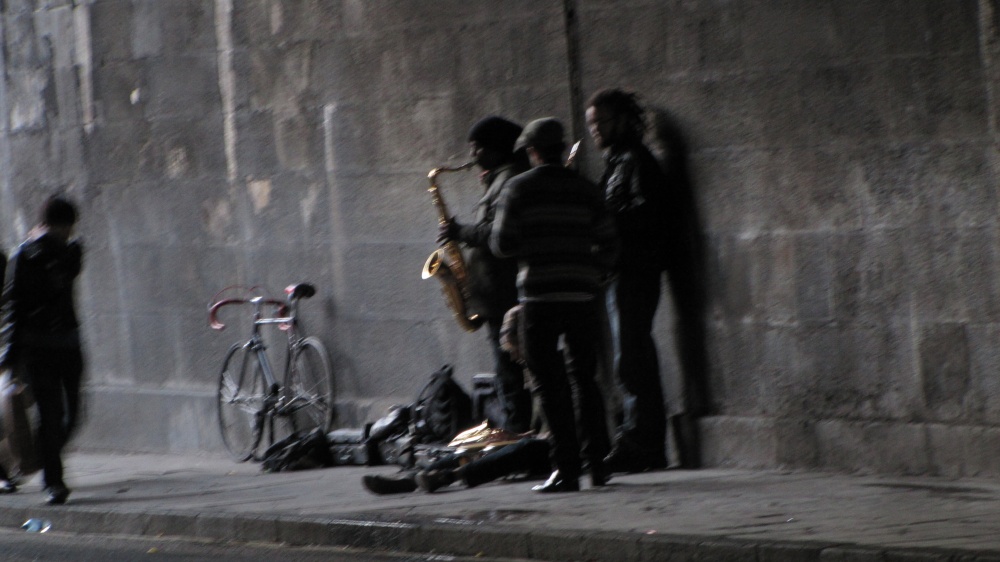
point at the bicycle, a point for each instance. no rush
(252, 403)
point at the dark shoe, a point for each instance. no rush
(557, 483)
(7, 487)
(630, 460)
(598, 474)
(56, 495)
(382, 485)
(430, 480)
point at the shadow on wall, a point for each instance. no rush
(685, 266)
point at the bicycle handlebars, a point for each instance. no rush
(215, 324)
(294, 292)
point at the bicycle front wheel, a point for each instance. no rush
(309, 387)
(242, 392)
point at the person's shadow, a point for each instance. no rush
(687, 280)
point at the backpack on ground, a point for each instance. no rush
(442, 409)
(299, 451)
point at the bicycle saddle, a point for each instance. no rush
(300, 291)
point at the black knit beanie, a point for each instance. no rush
(496, 133)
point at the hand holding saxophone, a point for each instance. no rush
(448, 230)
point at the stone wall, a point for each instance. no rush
(842, 156)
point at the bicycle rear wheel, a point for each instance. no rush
(241, 396)
(309, 387)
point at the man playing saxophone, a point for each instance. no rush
(493, 279)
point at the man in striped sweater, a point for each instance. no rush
(555, 224)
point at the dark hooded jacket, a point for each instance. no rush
(38, 306)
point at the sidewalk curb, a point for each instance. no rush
(467, 538)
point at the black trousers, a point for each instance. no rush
(54, 375)
(527, 456)
(632, 300)
(516, 399)
(577, 324)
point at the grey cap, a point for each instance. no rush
(541, 133)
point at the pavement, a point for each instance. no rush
(672, 515)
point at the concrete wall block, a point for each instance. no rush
(745, 442)
(779, 372)
(810, 189)
(892, 176)
(730, 189)
(886, 275)
(187, 27)
(66, 106)
(813, 278)
(183, 85)
(110, 21)
(886, 370)
(519, 51)
(32, 162)
(120, 92)
(108, 406)
(147, 30)
(828, 386)
(788, 33)
(964, 451)
(299, 139)
(151, 337)
(397, 207)
(23, 49)
(895, 448)
(416, 130)
(115, 152)
(842, 102)
(400, 293)
(721, 113)
(289, 209)
(961, 179)
(984, 362)
(31, 98)
(795, 443)
(956, 111)
(107, 364)
(184, 149)
(772, 278)
(738, 347)
(256, 152)
(944, 369)
(397, 363)
(846, 284)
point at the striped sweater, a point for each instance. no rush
(556, 225)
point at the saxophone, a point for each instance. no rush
(447, 264)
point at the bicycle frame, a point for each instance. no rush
(252, 403)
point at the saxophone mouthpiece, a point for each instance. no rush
(436, 171)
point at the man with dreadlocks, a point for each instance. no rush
(635, 192)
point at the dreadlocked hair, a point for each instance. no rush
(621, 103)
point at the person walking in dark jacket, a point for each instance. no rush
(6, 486)
(40, 336)
(556, 225)
(634, 187)
(492, 278)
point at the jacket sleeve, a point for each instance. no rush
(8, 306)
(606, 241)
(505, 232)
(478, 235)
